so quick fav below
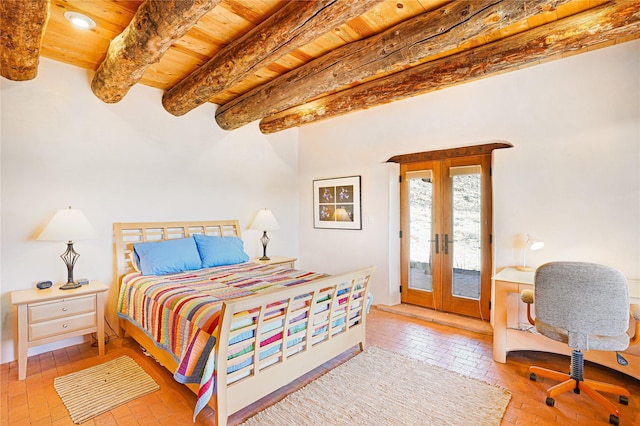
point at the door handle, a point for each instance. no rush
(446, 243)
(437, 241)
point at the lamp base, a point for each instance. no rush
(70, 286)
(69, 258)
(524, 268)
(265, 241)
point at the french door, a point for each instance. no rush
(446, 234)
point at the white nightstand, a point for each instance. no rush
(287, 262)
(45, 316)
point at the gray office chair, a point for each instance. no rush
(585, 305)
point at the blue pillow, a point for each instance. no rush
(219, 251)
(168, 256)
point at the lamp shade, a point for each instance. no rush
(265, 221)
(533, 244)
(68, 225)
(530, 244)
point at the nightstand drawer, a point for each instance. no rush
(61, 326)
(45, 316)
(61, 308)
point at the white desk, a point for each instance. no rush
(508, 312)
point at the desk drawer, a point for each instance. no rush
(61, 326)
(61, 308)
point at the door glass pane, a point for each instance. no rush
(466, 216)
(420, 220)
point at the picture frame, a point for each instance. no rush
(336, 203)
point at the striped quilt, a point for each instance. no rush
(180, 312)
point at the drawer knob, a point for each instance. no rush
(64, 326)
(64, 309)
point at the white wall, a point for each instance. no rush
(129, 161)
(571, 180)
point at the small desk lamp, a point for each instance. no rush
(68, 225)
(265, 221)
(533, 245)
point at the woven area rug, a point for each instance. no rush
(378, 387)
(90, 392)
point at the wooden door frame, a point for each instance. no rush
(455, 304)
(487, 188)
(427, 299)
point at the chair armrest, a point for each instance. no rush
(634, 310)
(527, 297)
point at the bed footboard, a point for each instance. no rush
(264, 341)
(267, 341)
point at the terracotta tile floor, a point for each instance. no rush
(35, 402)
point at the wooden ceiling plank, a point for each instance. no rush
(175, 63)
(84, 48)
(108, 14)
(62, 33)
(616, 21)
(254, 11)
(390, 51)
(74, 46)
(200, 51)
(23, 23)
(291, 27)
(223, 26)
(154, 27)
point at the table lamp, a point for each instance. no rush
(533, 245)
(264, 221)
(68, 225)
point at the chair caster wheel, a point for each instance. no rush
(533, 377)
(551, 402)
(614, 420)
(623, 400)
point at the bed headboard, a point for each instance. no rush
(126, 234)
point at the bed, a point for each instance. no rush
(235, 332)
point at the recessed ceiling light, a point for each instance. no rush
(79, 20)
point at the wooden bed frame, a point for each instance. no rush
(341, 325)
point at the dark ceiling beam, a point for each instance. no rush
(401, 46)
(294, 25)
(22, 26)
(156, 25)
(605, 24)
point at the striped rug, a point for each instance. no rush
(95, 390)
(378, 387)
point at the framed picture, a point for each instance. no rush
(336, 203)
